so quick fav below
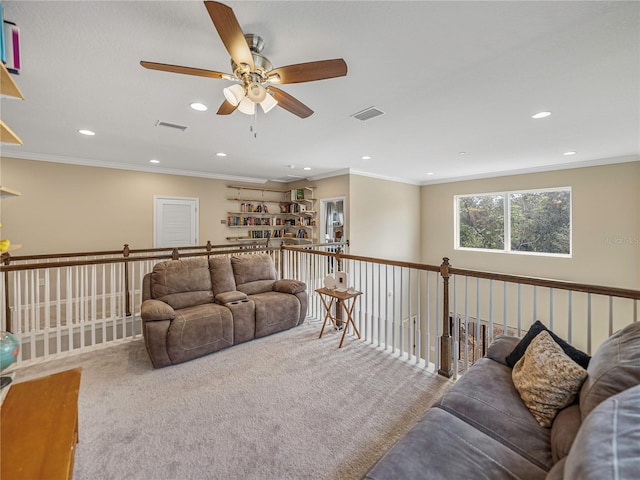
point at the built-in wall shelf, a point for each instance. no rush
(8, 192)
(8, 88)
(7, 135)
(286, 215)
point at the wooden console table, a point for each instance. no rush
(339, 299)
(39, 427)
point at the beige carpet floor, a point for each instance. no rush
(287, 406)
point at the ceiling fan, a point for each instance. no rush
(253, 71)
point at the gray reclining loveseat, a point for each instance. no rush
(196, 306)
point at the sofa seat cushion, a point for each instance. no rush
(199, 330)
(443, 447)
(275, 311)
(182, 283)
(608, 443)
(486, 399)
(614, 367)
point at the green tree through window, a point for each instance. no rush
(538, 221)
(482, 221)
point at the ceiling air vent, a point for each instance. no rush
(160, 123)
(368, 113)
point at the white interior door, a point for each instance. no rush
(175, 222)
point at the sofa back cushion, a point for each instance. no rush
(614, 367)
(221, 274)
(182, 283)
(254, 273)
(608, 443)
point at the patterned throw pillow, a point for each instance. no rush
(547, 379)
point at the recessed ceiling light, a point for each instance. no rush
(430, 173)
(86, 132)
(541, 115)
(307, 168)
(569, 153)
(154, 161)
(292, 167)
(366, 157)
(462, 153)
(221, 154)
(201, 107)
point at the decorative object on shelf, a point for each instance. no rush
(9, 349)
(342, 280)
(252, 72)
(329, 282)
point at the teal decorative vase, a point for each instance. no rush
(9, 349)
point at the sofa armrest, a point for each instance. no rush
(502, 346)
(289, 286)
(153, 310)
(229, 297)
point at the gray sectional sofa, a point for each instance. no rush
(196, 306)
(481, 429)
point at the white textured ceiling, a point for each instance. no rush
(450, 76)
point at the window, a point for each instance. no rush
(537, 221)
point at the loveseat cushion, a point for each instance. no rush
(443, 447)
(615, 367)
(485, 398)
(199, 330)
(608, 443)
(249, 268)
(182, 283)
(275, 312)
(221, 274)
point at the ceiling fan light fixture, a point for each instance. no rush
(268, 103)
(234, 94)
(274, 78)
(246, 106)
(256, 92)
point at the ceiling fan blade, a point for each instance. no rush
(230, 33)
(226, 108)
(186, 70)
(308, 72)
(290, 103)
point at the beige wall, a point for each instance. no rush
(606, 226)
(68, 208)
(384, 219)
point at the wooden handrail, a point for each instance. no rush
(545, 282)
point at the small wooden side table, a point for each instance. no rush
(340, 299)
(39, 427)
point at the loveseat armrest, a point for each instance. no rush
(230, 297)
(153, 310)
(502, 346)
(289, 286)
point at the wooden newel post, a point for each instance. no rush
(446, 342)
(127, 296)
